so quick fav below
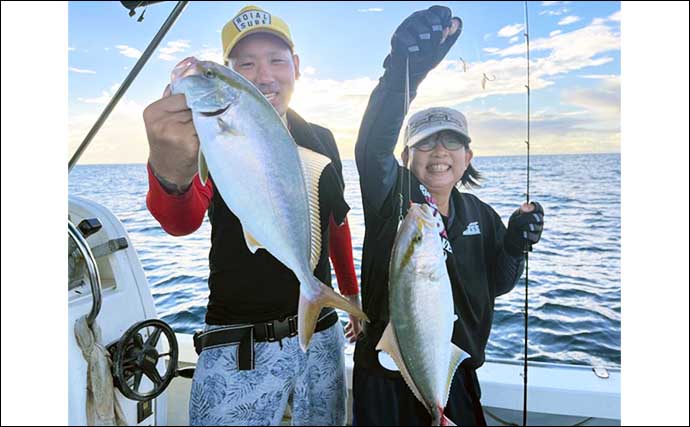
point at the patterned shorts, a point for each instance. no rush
(314, 381)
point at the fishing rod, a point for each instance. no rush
(529, 247)
(406, 108)
(128, 80)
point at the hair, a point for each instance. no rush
(471, 177)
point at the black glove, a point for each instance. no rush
(419, 36)
(524, 230)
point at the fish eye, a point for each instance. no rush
(417, 238)
(209, 74)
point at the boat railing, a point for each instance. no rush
(94, 277)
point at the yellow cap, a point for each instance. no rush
(249, 20)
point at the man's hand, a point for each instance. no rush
(524, 228)
(173, 142)
(425, 37)
(353, 329)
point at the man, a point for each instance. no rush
(483, 259)
(250, 362)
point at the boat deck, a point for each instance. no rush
(558, 394)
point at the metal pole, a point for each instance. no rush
(94, 276)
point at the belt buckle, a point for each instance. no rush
(281, 329)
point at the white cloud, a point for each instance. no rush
(209, 54)
(122, 139)
(555, 33)
(600, 76)
(129, 52)
(513, 39)
(604, 99)
(594, 127)
(166, 57)
(107, 49)
(549, 3)
(491, 49)
(81, 71)
(70, 48)
(337, 104)
(104, 98)
(615, 17)
(309, 71)
(569, 20)
(167, 53)
(570, 51)
(511, 30)
(371, 9)
(557, 12)
(500, 133)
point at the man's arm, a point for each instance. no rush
(175, 198)
(178, 213)
(340, 251)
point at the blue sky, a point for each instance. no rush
(575, 63)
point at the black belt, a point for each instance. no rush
(247, 335)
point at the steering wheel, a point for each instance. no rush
(135, 357)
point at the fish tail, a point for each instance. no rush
(309, 309)
(445, 421)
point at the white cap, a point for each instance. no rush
(433, 120)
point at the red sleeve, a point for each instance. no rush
(340, 249)
(178, 215)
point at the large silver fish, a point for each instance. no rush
(266, 180)
(418, 335)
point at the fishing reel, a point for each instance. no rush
(138, 365)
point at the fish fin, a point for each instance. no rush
(203, 168)
(309, 310)
(313, 165)
(252, 243)
(457, 355)
(389, 344)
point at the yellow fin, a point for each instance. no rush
(457, 355)
(203, 168)
(313, 165)
(389, 344)
(252, 243)
(309, 310)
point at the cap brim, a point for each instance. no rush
(425, 133)
(258, 29)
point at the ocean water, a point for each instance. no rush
(574, 271)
